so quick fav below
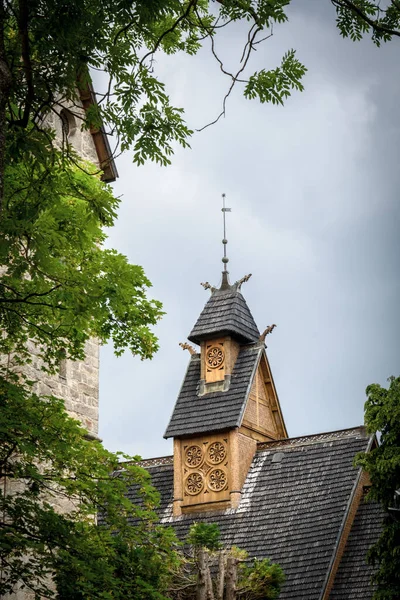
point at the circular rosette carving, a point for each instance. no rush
(194, 483)
(215, 357)
(216, 453)
(194, 456)
(217, 480)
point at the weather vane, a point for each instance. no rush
(225, 260)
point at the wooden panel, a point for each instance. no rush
(214, 359)
(258, 416)
(250, 415)
(232, 352)
(205, 464)
(257, 434)
(247, 449)
(267, 421)
(178, 491)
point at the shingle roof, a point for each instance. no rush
(290, 511)
(214, 411)
(353, 579)
(226, 313)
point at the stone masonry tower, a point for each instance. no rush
(77, 382)
(226, 405)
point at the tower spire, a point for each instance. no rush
(224, 209)
(225, 273)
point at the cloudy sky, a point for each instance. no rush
(314, 191)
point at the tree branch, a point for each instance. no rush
(375, 24)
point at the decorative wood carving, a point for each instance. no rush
(238, 284)
(205, 471)
(266, 332)
(186, 346)
(194, 483)
(208, 286)
(216, 453)
(194, 456)
(215, 357)
(217, 480)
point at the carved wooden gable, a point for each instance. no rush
(262, 418)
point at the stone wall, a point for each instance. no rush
(69, 128)
(77, 384)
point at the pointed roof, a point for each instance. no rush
(226, 313)
(214, 411)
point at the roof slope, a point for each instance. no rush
(226, 313)
(214, 411)
(354, 574)
(292, 506)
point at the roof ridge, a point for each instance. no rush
(315, 437)
(149, 462)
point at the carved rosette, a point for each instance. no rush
(194, 483)
(216, 453)
(217, 480)
(194, 456)
(215, 357)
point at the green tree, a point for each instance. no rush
(382, 416)
(47, 463)
(59, 286)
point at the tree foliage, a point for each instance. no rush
(382, 415)
(355, 18)
(48, 48)
(59, 285)
(54, 482)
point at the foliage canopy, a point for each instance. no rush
(382, 415)
(60, 285)
(46, 462)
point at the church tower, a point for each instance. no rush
(227, 403)
(77, 382)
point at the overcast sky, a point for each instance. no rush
(314, 191)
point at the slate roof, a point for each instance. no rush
(354, 574)
(291, 509)
(226, 313)
(214, 411)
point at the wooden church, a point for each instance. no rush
(298, 501)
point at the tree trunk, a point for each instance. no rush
(231, 578)
(201, 592)
(221, 575)
(210, 590)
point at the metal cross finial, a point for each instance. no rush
(225, 260)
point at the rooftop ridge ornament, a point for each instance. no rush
(266, 332)
(208, 286)
(238, 284)
(186, 346)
